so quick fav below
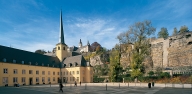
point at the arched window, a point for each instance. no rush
(14, 61)
(70, 64)
(58, 48)
(4, 60)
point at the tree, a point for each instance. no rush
(175, 31)
(94, 46)
(151, 73)
(40, 51)
(183, 29)
(163, 33)
(98, 49)
(114, 65)
(137, 35)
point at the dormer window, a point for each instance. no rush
(42, 64)
(22, 62)
(48, 65)
(64, 65)
(4, 60)
(29, 63)
(53, 65)
(14, 61)
(70, 64)
(75, 64)
(36, 63)
(58, 48)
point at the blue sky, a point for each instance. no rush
(34, 24)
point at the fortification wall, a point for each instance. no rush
(173, 51)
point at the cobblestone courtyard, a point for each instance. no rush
(95, 89)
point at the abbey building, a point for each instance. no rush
(28, 68)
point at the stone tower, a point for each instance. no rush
(61, 47)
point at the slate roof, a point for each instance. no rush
(74, 61)
(36, 59)
(50, 54)
(73, 53)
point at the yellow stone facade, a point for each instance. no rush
(18, 72)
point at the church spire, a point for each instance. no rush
(61, 37)
(80, 43)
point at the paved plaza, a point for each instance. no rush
(98, 88)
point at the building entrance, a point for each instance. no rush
(30, 81)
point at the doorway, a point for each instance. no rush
(30, 81)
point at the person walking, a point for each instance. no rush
(61, 87)
(75, 84)
(80, 83)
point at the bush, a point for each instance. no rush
(98, 80)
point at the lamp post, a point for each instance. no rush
(61, 65)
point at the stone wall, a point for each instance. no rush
(180, 50)
(125, 55)
(157, 54)
(173, 51)
(96, 60)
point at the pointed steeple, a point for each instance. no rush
(80, 43)
(61, 37)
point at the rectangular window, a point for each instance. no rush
(53, 78)
(14, 79)
(77, 72)
(73, 72)
(37, 72)
(53, 73)
(57, 73)
(5, 71)
(43, 72)
(70, 79)
(70, 72)
(48, 79)
(23, 79)
(63, 73)
(48, 72)
(43, 79)
(83, 79)
(23, 71)
(37, 79)
(14, 71)
(73, 78)
(30, 72)
(67, 73)
(77, 79)
(5, 80)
